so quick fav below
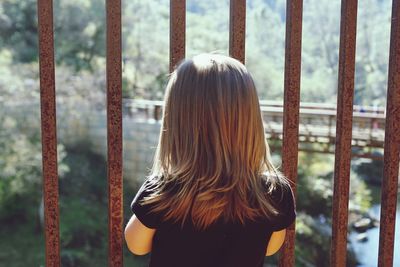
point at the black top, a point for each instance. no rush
(220, 245)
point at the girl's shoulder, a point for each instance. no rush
(143, 210)
(153, 184)
(276, 184)
(282, 197)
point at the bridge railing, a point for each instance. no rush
(317, 123)
(291, 107)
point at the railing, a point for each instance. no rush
(290, 121)
(316, 124)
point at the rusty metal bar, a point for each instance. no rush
(114, 134)
(347, 50)
(177, 32)
(157, 112)
(294, 12)
(237, 29)
(392, 146)
(49, 131)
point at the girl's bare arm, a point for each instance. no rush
(138, 237)
(276, 241)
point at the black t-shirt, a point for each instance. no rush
(220, 245)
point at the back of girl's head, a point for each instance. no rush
(212, 143)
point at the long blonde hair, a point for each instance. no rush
(212, 148)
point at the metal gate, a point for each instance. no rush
(290, 127)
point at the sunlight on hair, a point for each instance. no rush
(212, 146)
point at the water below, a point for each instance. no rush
(367, 252)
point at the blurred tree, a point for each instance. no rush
(369, 170)
(21, 173)
(79, 38)
(18, 28)
(314, 205)
(373, 35)
(80, 42)
(146, 47)
(83, 203)
(79, 31)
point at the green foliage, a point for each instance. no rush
(370, 170)
(79, 27)
(21, 245)
(18, 28)
(313, 239)
(145, 27)
(83, 206)
(314, 207)
(79, 33)
(315, 183)
(20, 169)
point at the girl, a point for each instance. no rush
(213, 197)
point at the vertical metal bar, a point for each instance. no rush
(177, 32)
(157, 112)
(114, 133)
(294, 12)
(237, 29)
(49, 131)
(347, 50)
(392, 146)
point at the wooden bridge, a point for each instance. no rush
(317, 124)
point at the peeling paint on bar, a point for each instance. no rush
(392, 146)
(49, 131)
(294, 11)
(237, 29)
(114, 134)
(177, 32)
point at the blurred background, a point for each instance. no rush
(79, 27)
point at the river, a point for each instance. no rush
(367, 252)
